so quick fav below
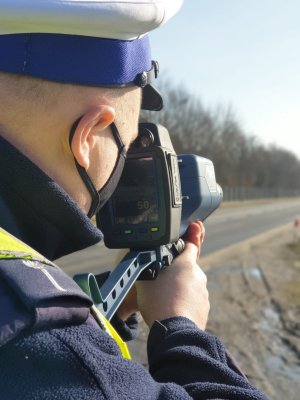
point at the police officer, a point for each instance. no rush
(73, 76)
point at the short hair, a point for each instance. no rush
(28, 95)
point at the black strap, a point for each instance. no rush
(84, 176)
(95, 195)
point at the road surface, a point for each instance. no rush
(227, 226)
(231, 225)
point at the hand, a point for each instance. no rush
(180, 290)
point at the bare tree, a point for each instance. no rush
(239, 159)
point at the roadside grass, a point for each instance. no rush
(295, 246)
(293, 287)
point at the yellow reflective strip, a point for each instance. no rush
(14, 255)
(107, 327)
(11, 247)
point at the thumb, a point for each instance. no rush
(194, 237)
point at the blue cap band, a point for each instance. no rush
(75, 59)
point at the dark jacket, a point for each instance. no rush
(50, 345)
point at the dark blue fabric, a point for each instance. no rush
(128, 330)
(75, 363)
(196, 360)
(82, 362)
(14, 317)
(38, 306)
(75, 59)
(52, 282)
(36, 210)
(50, 297)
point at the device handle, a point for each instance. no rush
(108, 290)
(112, 292)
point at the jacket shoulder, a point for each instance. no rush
(37, 295)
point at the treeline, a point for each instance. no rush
(239, 158)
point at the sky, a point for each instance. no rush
(243, 54)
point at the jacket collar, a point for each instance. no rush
(37, 210)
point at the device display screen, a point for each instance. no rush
(135, 200)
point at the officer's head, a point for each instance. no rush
(73, 76)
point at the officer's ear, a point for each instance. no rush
(89, 126)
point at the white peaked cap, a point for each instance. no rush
(85, 42)
(124, 20)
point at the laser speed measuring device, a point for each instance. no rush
(158, 196)
(159, 193)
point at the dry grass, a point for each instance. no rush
(295, 246)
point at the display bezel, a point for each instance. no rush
(147, 234)
(136, 199)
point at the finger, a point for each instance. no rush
(194, 238)
(202, 227)
(191, 250)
